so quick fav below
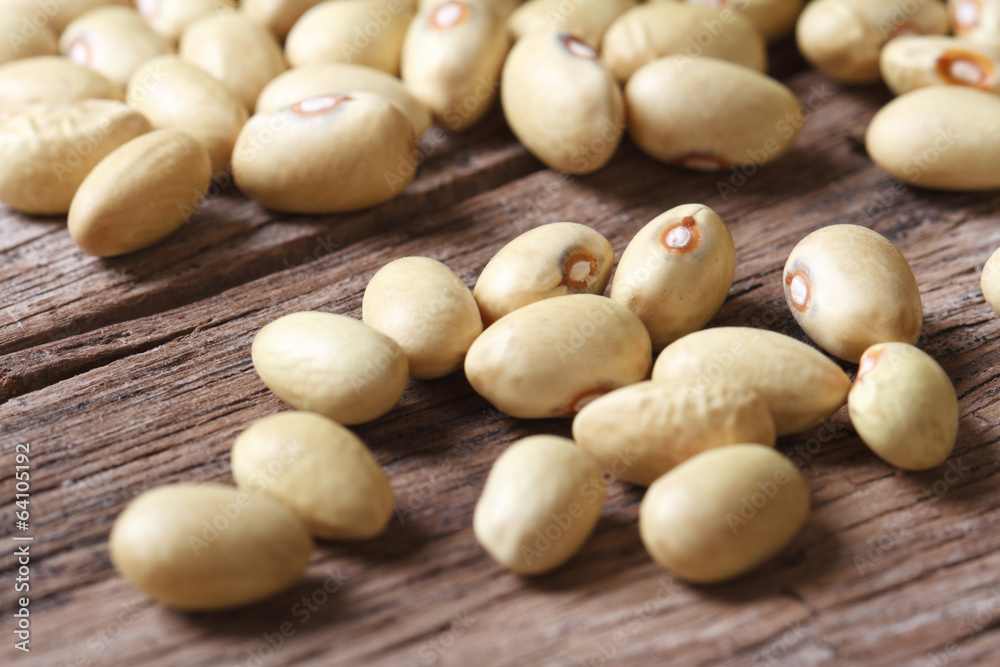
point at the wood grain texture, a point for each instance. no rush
(891, 568)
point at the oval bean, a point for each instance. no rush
(588, 20)
(171, 18)
(52, 79)
(908, 63)
(112, 40)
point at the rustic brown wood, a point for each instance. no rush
(890, 569)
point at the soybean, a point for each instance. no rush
(113, 41)
(561, 103)
(904, 406)
(40, 41)
(587, 19)
(53, 79)
(772, 18)
(171, 18)
(908, 63)
(329, 364)
(976, 21)
(723, 513)
(800, 385)
(541, 501)
(676, 272)
(278, 16)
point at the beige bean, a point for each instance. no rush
(278, 16)
(300, 83)
(52, 79)
(976, 21)
(452, 57)
(904, 406)
(502, 8)
(561, 103)
(332, 365)
(676, 272)
(113, 41)
(60, 13)
(850, 288)
(140, 193)
(843, 38)
(540, 503)
(723, 513)
(940, 137)
(199, 547)
(235, 50)
(21, 41)
(585, 19)
(320, 470)
(912, 62)
(800, 385)
(422, 305)
(657, 29)
(47, 150)
(362, 32)
(171, 18)
(326, 154)
(772, 18)
(740, 118)
(990, 282)
(642, 431)
(552, 357)
(173, 93)
(553, 260)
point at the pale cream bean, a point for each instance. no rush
(723, 513)
(676, 272)
(561, 103)
(362, 32)
(801, 386)
(772, 18)
(422, 305)
(904, 406)
(171, 18)
(173, 93)
(585, 19)
(320, 470)
(139, 194)
(235, 50)
(657, 29)
(552, 260)
(740, 117)
(278, 16)
(843, 38)
(941, 137)
(850, 288)
(642, 431)
(54, 80)
(58, 14)
(22, 37)
(990, 281)
(326, 154)
(502, 8)
(541, 501)
(332, 365)
(912, 62)
(301, 83)
(199, 547)
(113, 41)
(552, 357)
(452, 57)
(976, 21)
(47, 150)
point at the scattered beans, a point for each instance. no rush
(171, 18)
(452, 57)
(990, 281)
(904, 406)
(278, 16)
(113, 41)
(549, 261)
(850, 288)
(587, 20)
(676, 272)
(741, 118)
(200, 547)
(422, 305)
(47, 150)
(362, 32)
(320, 470)
(908, 63)
(235, 50)
(843, 38)
(541, 501)
(173, 93)
(325, 154)
(561, 102)
(772, 18)
(941, 137)
(41, 41)
(140, 193)
(642, 431)
(976, 21)
(800, 385)
(552, 357)
(657, 29)
(332, 365)
(723, 513)
(53, 79)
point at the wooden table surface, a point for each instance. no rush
(129, 373)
